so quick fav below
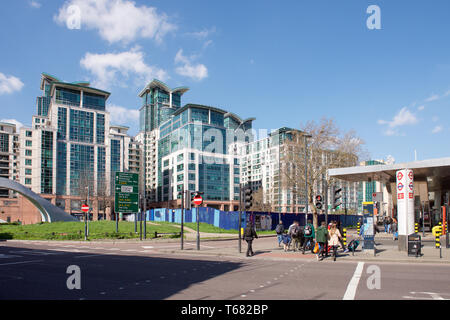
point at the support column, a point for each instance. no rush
(405, 207)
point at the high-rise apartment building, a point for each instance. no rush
(188, 147)
(71, 150)
(9, 156)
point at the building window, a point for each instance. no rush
(28, 162)
(28, 172)
(28, 143)
(28, 152)
(28, 134)
(27, 180)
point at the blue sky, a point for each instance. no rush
(283, 62)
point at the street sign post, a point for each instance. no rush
(126, 196)
(85, 208)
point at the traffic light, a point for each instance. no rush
(248, 198)
(319, 200)
(188, 200)
(336, 197)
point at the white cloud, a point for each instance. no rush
(106, 68)
(435, 119)
(9, 84)
(433, 97)
(421, 108)
(188, 69)
(121, 115)
(118, 20)
(205, 33)
(35, 4)
(437, 129)
(13, 121)
(390, 159)
(403, 117)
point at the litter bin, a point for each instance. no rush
(414, 245)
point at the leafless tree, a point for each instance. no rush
(328, 148)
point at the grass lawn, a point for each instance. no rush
(75, 230)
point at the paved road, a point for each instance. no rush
(132, 270)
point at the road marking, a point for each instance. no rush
(31, 261)
(7, 256)
(89, 255)
(433, 296)
(147, 247)
(353, 284)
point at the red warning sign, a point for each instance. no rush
(399, 176)
(411, 195)
(401, 196)
(410, 175)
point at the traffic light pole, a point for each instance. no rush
(145, 216)
(182, 214)
(198, 228)
(240, 216)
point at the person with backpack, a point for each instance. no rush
(295, 236)
(321, 238)
(279, 230)
(286, 241)
(249, 235)
(309, 235)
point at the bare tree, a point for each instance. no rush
(327, 148)
(259, 203)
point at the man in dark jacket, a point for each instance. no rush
(249, 235)
(280, 230)
(322, 238)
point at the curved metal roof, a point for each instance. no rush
(49, 212)
(155, 83)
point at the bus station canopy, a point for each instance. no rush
(435, 171)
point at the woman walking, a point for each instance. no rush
(334, 241)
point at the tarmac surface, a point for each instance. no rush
(159, 269)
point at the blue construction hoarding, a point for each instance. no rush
(228, 220)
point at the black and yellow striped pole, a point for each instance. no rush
(344, 237)
(358, 225)
(438, 240)
(416, 227)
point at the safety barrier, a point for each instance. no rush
(344, 237)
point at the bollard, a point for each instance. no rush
(358, 227)
(416, 227)
(438, 238)
(345, 237)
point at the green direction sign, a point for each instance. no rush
(126, 192)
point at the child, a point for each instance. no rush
(286, 241)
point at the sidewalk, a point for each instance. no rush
(269, 250)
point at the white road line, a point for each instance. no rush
(31, 261)
(89, 255)
(147, 247)
(353, 284)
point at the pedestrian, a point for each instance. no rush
(385, 222)
(280, 231)
(249, 235)
(292, 226)
(309, 235)
(388, 223)
(321, 238)
(286, 240)
(295, 236)
(335, 237)
(341, 240)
